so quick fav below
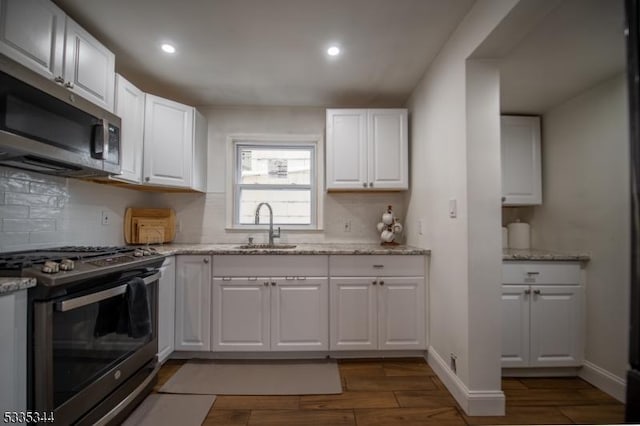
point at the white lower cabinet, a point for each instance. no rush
(166, 308)
(370, 313)
(270, 314)
(542, 324)
(13, 352)
(193, 303)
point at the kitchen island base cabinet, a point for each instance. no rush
(270, 314)
(13, 352)
(166, 309)
(193, 303)
(542, 315)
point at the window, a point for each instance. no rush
(281, 173)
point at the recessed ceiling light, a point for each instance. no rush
(333, 51)
(168, 48)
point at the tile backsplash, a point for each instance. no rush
(40, 211)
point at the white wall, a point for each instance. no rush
(439, 163)
(42, 211)
(202, 217)
(586, 208)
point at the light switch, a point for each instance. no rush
(453, 208)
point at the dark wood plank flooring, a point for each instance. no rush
(407, 392)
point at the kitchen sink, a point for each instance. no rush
(266, 246)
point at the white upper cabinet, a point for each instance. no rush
(32, 33)
(367, 149)
(521, 161)
(89, 67)
(130, 108)
(174, 145)
(38, 35)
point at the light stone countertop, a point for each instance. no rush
(329, 248)
(542, 255)
(11, 284)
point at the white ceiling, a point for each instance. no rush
(272, 52)
(577, 45)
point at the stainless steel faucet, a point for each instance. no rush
(272, 234)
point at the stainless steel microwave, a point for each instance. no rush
(46, 128)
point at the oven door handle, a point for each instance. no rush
(78, 302)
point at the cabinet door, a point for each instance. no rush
(353, 314)
(89, 67)
(166, 308)
(557, 333)
(168, 142)
(241, 314)
(401, 313)
(300, 314)
(347, 149)
(130, 108)
(388, 149)
(515, 325)
(13, 352)
(193, 303)
(32, 33)
(521, 171)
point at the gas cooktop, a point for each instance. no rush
(60, 265)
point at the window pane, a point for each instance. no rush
(275, 166)
(289, 206)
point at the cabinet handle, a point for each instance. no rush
(378, 266)
(146, 179)
(205, 260)
(533, 273)
(59, 79)
(374, 282)
(266, 283)
(273, 283)
(301, 278)
(527, 291)
(364, 184)
(381, 282)
(370, 184)
(68, 85)
(504, 199)
(536, 291)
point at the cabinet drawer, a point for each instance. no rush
(376, 265)
(270, 266)
(540, 273)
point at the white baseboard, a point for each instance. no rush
(604, 380)
(474, 403)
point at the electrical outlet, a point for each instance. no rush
(420, 227)
(106, 217)
(179, 226)
(453, 208)
(347, 225)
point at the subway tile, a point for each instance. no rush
(44, 212)
(14, 185)
(48, 188)
(8, 239)
(46, 237)
(14, 212)
(28, 225)
(1, 197)
(13, 198)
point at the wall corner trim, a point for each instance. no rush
(474, 403)
(604, 380)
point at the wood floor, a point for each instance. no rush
(407, 392)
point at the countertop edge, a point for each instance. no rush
(544, 255)
(12, 284)
(206, 249)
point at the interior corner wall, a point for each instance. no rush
(586, 207)
(438, 174)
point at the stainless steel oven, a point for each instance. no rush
(85, 368)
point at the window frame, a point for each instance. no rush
(316, 187)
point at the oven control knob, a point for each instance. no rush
(67, 265)
(138, 253)
(146, 252)
(50, 267)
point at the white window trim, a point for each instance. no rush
(274, 139)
